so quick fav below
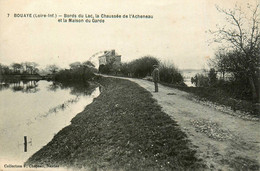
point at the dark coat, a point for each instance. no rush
(155, 75)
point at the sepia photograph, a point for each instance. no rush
(168, 85)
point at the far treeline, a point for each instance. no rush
(139, 68)
(19, 68)
(26, 68)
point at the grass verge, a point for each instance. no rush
(123, 129)
(219, 96)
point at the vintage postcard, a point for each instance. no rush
(129, 85)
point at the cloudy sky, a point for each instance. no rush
(176, 34)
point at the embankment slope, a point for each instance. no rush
(123, 129)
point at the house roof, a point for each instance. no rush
(109, 53)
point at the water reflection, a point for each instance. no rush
(75, 88)
(39, 111)
(25, 86)
(54, 86)
(3, 86)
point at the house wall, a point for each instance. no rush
(107, 57)
(102, 60)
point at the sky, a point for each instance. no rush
(177, 34)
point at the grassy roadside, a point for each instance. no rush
(220, 97)
(124, 128)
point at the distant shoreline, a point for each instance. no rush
(21, 77)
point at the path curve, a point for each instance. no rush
(223, 141)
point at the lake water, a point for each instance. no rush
(37, 110)
(187, 74)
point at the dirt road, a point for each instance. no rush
(223, 141)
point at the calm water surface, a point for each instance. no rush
(187, 74)
(37, 110)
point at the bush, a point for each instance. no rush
(142, 67)
(212, 76)
(104, 69)
(110, 68)
(200, 80)
(237, 87)
(125, 69)
(170, 74)
(81, 73)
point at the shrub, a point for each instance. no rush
(142, 67)
(170, 74)
(200, 80)
(81, 73)
(110, 68)
(238, 89)
(212, 76)
(125, 69)
(104, 69)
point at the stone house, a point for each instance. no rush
(109, 56)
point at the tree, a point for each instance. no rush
(200, 80)
(30, 67)
(170, 74)
(52, 68)
(143, 66)
(110, 67)
(75, 65)
(212, 77)
(34, 68)
(27, 66)
(88, 64)
(243, 39)
(4, 70)
(220, 62)
(16, 67)
(125, 69)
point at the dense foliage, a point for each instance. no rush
(206, 79)
(137, 68)
(240, 57)
(170, 74)
(19, 68)
(80, 72)
(236, 66)
(144, 66)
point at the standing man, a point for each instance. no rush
(156, 78)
